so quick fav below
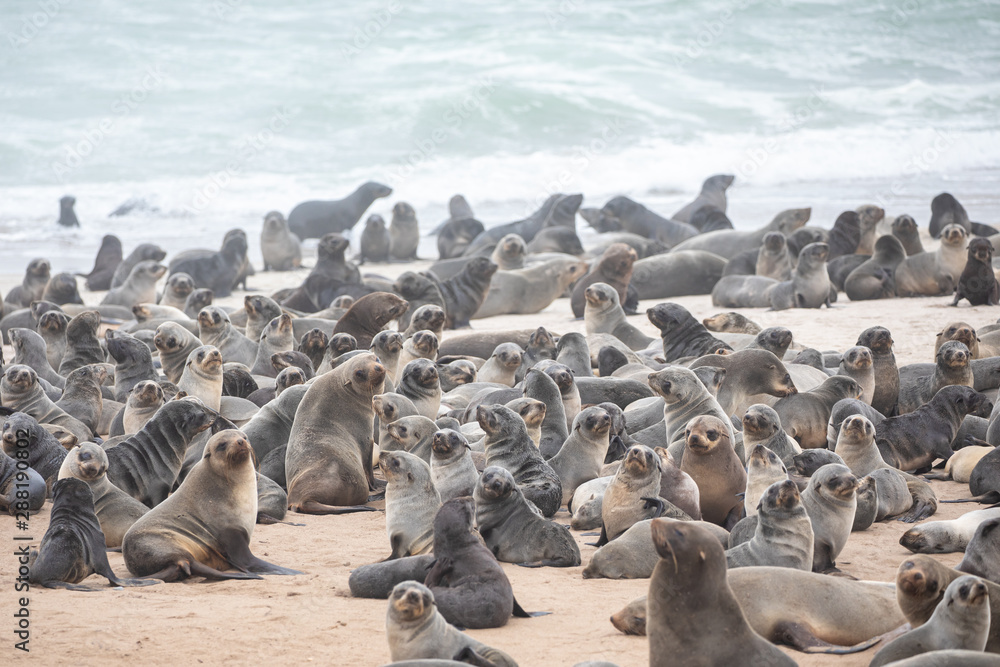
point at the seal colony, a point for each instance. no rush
(554, 414)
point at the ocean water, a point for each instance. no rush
(218, 111)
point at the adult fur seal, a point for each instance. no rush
(205, 526)
(978, 284)
(960, 621)
(368, 315)
(109, 256)
(470, 587)
(804, 415)
(875, 277)
(73, 547)
(727, 243)
(613, 268)
(512, 529)
(631, 216)
(691, 604)
(946, 210)
(677, 273)
(116, 510)
(329, 457)
(509, 446)
(281, 249)
(313, 219)
(138, 287)
(532, 289)
(418, 633)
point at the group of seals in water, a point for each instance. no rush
(721, 460)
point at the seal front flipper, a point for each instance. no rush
(397, 547)
(470, 657)
(603, 539)
(801, 638)
(656, 505)
(823, 557)
(437, 575)
(519, 611)
(236, 546)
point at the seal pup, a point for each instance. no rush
(857, 364)
(52, 328)
(369, 315)
(32, 287)
(215, 328)
(711, 461)
(875, 277)
(509, 253)
(328, 463)
(178, 288)
(941, 537)
(885, 397)
(581, 456)
(411, 503)
(133, 362)
(512, 528)
(198, 299)
(831, 501)
(82, 396)
(764, 468)
(713, 193)
(684, 398)
(174, 344)
(784, 535)
(633, 493)
(276, 337)
(452, 470)
(456, 235)
(810, 284)
(509, 446)
(691, 604)
(142, 252)
(978, 284)
(312, 219)
(418, 381)
(502, 365)
(29, 350)
(682, 334)
(951, 367)
(773, 260)
(145, 399)
(206, 525)
(73, 547)
(222, 270)
(116, 510)
(413, 434)
(804, 415)
(404, 232)
(82, 346)
(428, 317)
(631, 216)
(960, 621)
(937, 273)
(109, 256)
(904, 228)
(540, 386)
(614, 268)
(20, 390)
(202, 376)
(731, 323)
(138, 287)
(20, 489)
(280, 248)
(465, 293)
(375, 240)
(946, 210)
(45, 454)
(416, 631)
(980, 554)
(469, 586)
(603, 314)
(762, 426)
(62, 289)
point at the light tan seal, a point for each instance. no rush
(411, 503)
(710, 459)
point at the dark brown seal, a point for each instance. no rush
(368, 315)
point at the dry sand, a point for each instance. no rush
(311, 618)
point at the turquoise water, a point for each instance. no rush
(219, 111)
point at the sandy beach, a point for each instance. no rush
(312, 618)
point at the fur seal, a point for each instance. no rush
(220, 271)
(419, 289)
(513, 530)
(116, 510)
(937, 273)
(632, 495)
(713, 464)
(133, 362)
(312, 219)
(52, 328)
(857, 363)
(804, 415)
(749, 374)
(145, 399)
(109, 256)
(677, 273)
(413, 434)
(456, 235)
(142, 252)
(540, 386)
(614, 268)
(580, 458)
(846, 235)
(418, 381)
(604, 314)
(73, 547)
(138, 287)
(509, 446)
(44, 453)
(632, 555)
(368, 315)
(509, 253)
(875, 278)
(21, 487)
(960, 621)
(20, 391)
(946, 210)
(281, 249)
(939, 537)
(428, 317)
(631, 216)
(952, 367)
(728, 243)
(713, 193)
(36, 277)
(978, 284)
(176, 291)
(762, 426)
(684, 398)
(452, 470)
(904, 228)
(764, 468)
(375, 240)
(691, 604)
(531, 289)
(198, 299)
(731, 323)
(682, 334)
(62, 289)
(886, 394)
(82, 397)
(202, 376)
(810, 284)
(205, 526)
(831, 500)
(783, 536)
(277, 337)
(502, 365)
(980, 553)
(329, 457)
(215, 328)
(773, 260)
(29, 350)
(404, 232)
(411, 503)
(417, 632)
(174, 344)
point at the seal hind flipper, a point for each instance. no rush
(313, 507)
(235, 544)
(802, 638)
(823, 557)
(470, 657)
(988, 498)
(603, 539)
(519, 611)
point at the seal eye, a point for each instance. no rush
(85, 456)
